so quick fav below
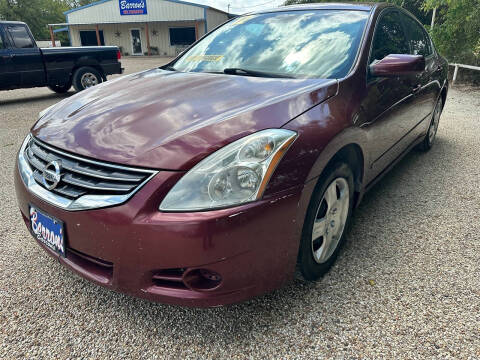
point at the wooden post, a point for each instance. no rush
(196, 30)
(455, 74)
(52, 36)
(147, 34)
(99, 42)
(433, 18)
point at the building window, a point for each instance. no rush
(89, 38)
(182, 36)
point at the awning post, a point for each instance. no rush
(98, 35)
(147, 34)
(52, 36)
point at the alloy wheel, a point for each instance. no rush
(330, 220)
(89, 80)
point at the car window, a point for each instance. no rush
(419, 42)
(2, 43)
(20, 37)
(389, 37)
(313, 43)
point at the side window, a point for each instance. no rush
(20, 37)
(2, 43)
(419, 41)
(389, 37)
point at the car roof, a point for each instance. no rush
(11, 23)
(366, 6)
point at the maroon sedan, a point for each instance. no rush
(205, 182)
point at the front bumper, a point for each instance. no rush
(128, 247)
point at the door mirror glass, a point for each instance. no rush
(394, 65)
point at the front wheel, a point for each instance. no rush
(86, 77)
(327, 219)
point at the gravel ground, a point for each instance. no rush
(407, 284)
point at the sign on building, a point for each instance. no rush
(133, 7)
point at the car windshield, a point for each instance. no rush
(300, 44)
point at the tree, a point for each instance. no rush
(39, 13)
(457, 32)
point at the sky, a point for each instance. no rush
(240, 7)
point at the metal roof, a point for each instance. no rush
(11, 23)
(173, 1)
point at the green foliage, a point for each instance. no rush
(39, 13)
(457, 32)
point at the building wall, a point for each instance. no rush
(161, 40)
(162, 15)
(109, 11)
(215, 18)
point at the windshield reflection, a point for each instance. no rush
(314, 43)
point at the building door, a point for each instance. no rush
(136, 42)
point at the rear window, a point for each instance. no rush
(310, 43)
(20, 37)
(419, 41)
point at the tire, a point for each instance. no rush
(60, 89)
(429, 139)
(330, 210)
(86, 77)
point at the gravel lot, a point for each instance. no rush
(407, 284)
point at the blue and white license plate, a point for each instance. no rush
(47, 230)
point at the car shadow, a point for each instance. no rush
(34, 99)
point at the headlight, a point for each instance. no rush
(235, 174)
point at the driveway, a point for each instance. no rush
(407, 284)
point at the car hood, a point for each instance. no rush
(172, 120)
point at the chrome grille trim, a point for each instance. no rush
(85, 183)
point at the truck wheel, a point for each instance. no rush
(60, 89)
(86, 77)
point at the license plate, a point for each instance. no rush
(48, 230)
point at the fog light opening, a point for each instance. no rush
(202, 279)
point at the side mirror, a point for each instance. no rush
(394, 65)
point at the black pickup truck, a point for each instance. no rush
(24, 65)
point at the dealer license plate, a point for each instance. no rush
(48, 230)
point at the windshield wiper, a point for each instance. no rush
(240, 71)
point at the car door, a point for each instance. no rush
(388, 103)
(26, 56)
(426, 86)
(7, 76)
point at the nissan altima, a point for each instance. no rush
(210, 180)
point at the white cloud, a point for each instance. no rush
(240, 7)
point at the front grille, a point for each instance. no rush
(80, 176)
